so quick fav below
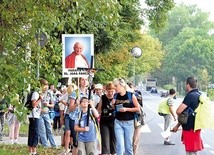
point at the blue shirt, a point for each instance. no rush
(86, 136)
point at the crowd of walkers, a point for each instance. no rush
(100, 122)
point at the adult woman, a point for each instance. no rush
(107, 121)
(124, 118)
(69, 122)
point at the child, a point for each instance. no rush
(86, 134)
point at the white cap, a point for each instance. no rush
(98, 86)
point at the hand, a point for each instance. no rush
(175, 129)
(122, 110)
(45, 104)
(86, 128)
(41, 97)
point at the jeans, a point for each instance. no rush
(124, 131)
(45, 131)
(108, 139)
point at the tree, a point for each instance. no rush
(188, 45)
(120, 63)
(114, 24)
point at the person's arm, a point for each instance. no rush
(171, 108)
(35, 102)
(99, 107)
(72, 105)
(181, 108)
(94, 110)
(79, 129)
(175, 129)
(136, 107)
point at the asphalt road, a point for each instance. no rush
(151, 141)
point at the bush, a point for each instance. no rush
(168, 86)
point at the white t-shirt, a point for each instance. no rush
(61, 105)
(36, 111)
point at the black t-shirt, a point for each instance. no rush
(107, 114)
(191, 100)
(125, 102)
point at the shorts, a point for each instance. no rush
(192, 140)
(69, 125)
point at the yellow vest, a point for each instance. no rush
(163, 106)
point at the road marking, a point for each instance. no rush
(145, 128)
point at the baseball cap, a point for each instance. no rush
(98, 86)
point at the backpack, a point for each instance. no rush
(28, 103)
(56, 107)
(139, 97)
(204, 114)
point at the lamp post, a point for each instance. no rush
(136, 53)
(41, 41)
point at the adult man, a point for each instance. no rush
(166, 110)
(191, 139)
(76, 58)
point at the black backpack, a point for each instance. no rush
(139, 97)
(56, 107)
(28, 103)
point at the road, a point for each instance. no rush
(151, 141)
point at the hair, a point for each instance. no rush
(78, 43)
(171, 91)
(120, 81)
(110, 86)
(130, 84)
(192, 81)
(83, 98)
(70, 89)
(43, 81)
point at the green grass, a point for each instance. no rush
(23, 150)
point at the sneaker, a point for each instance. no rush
(168, 143)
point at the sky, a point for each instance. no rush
(204, 5)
